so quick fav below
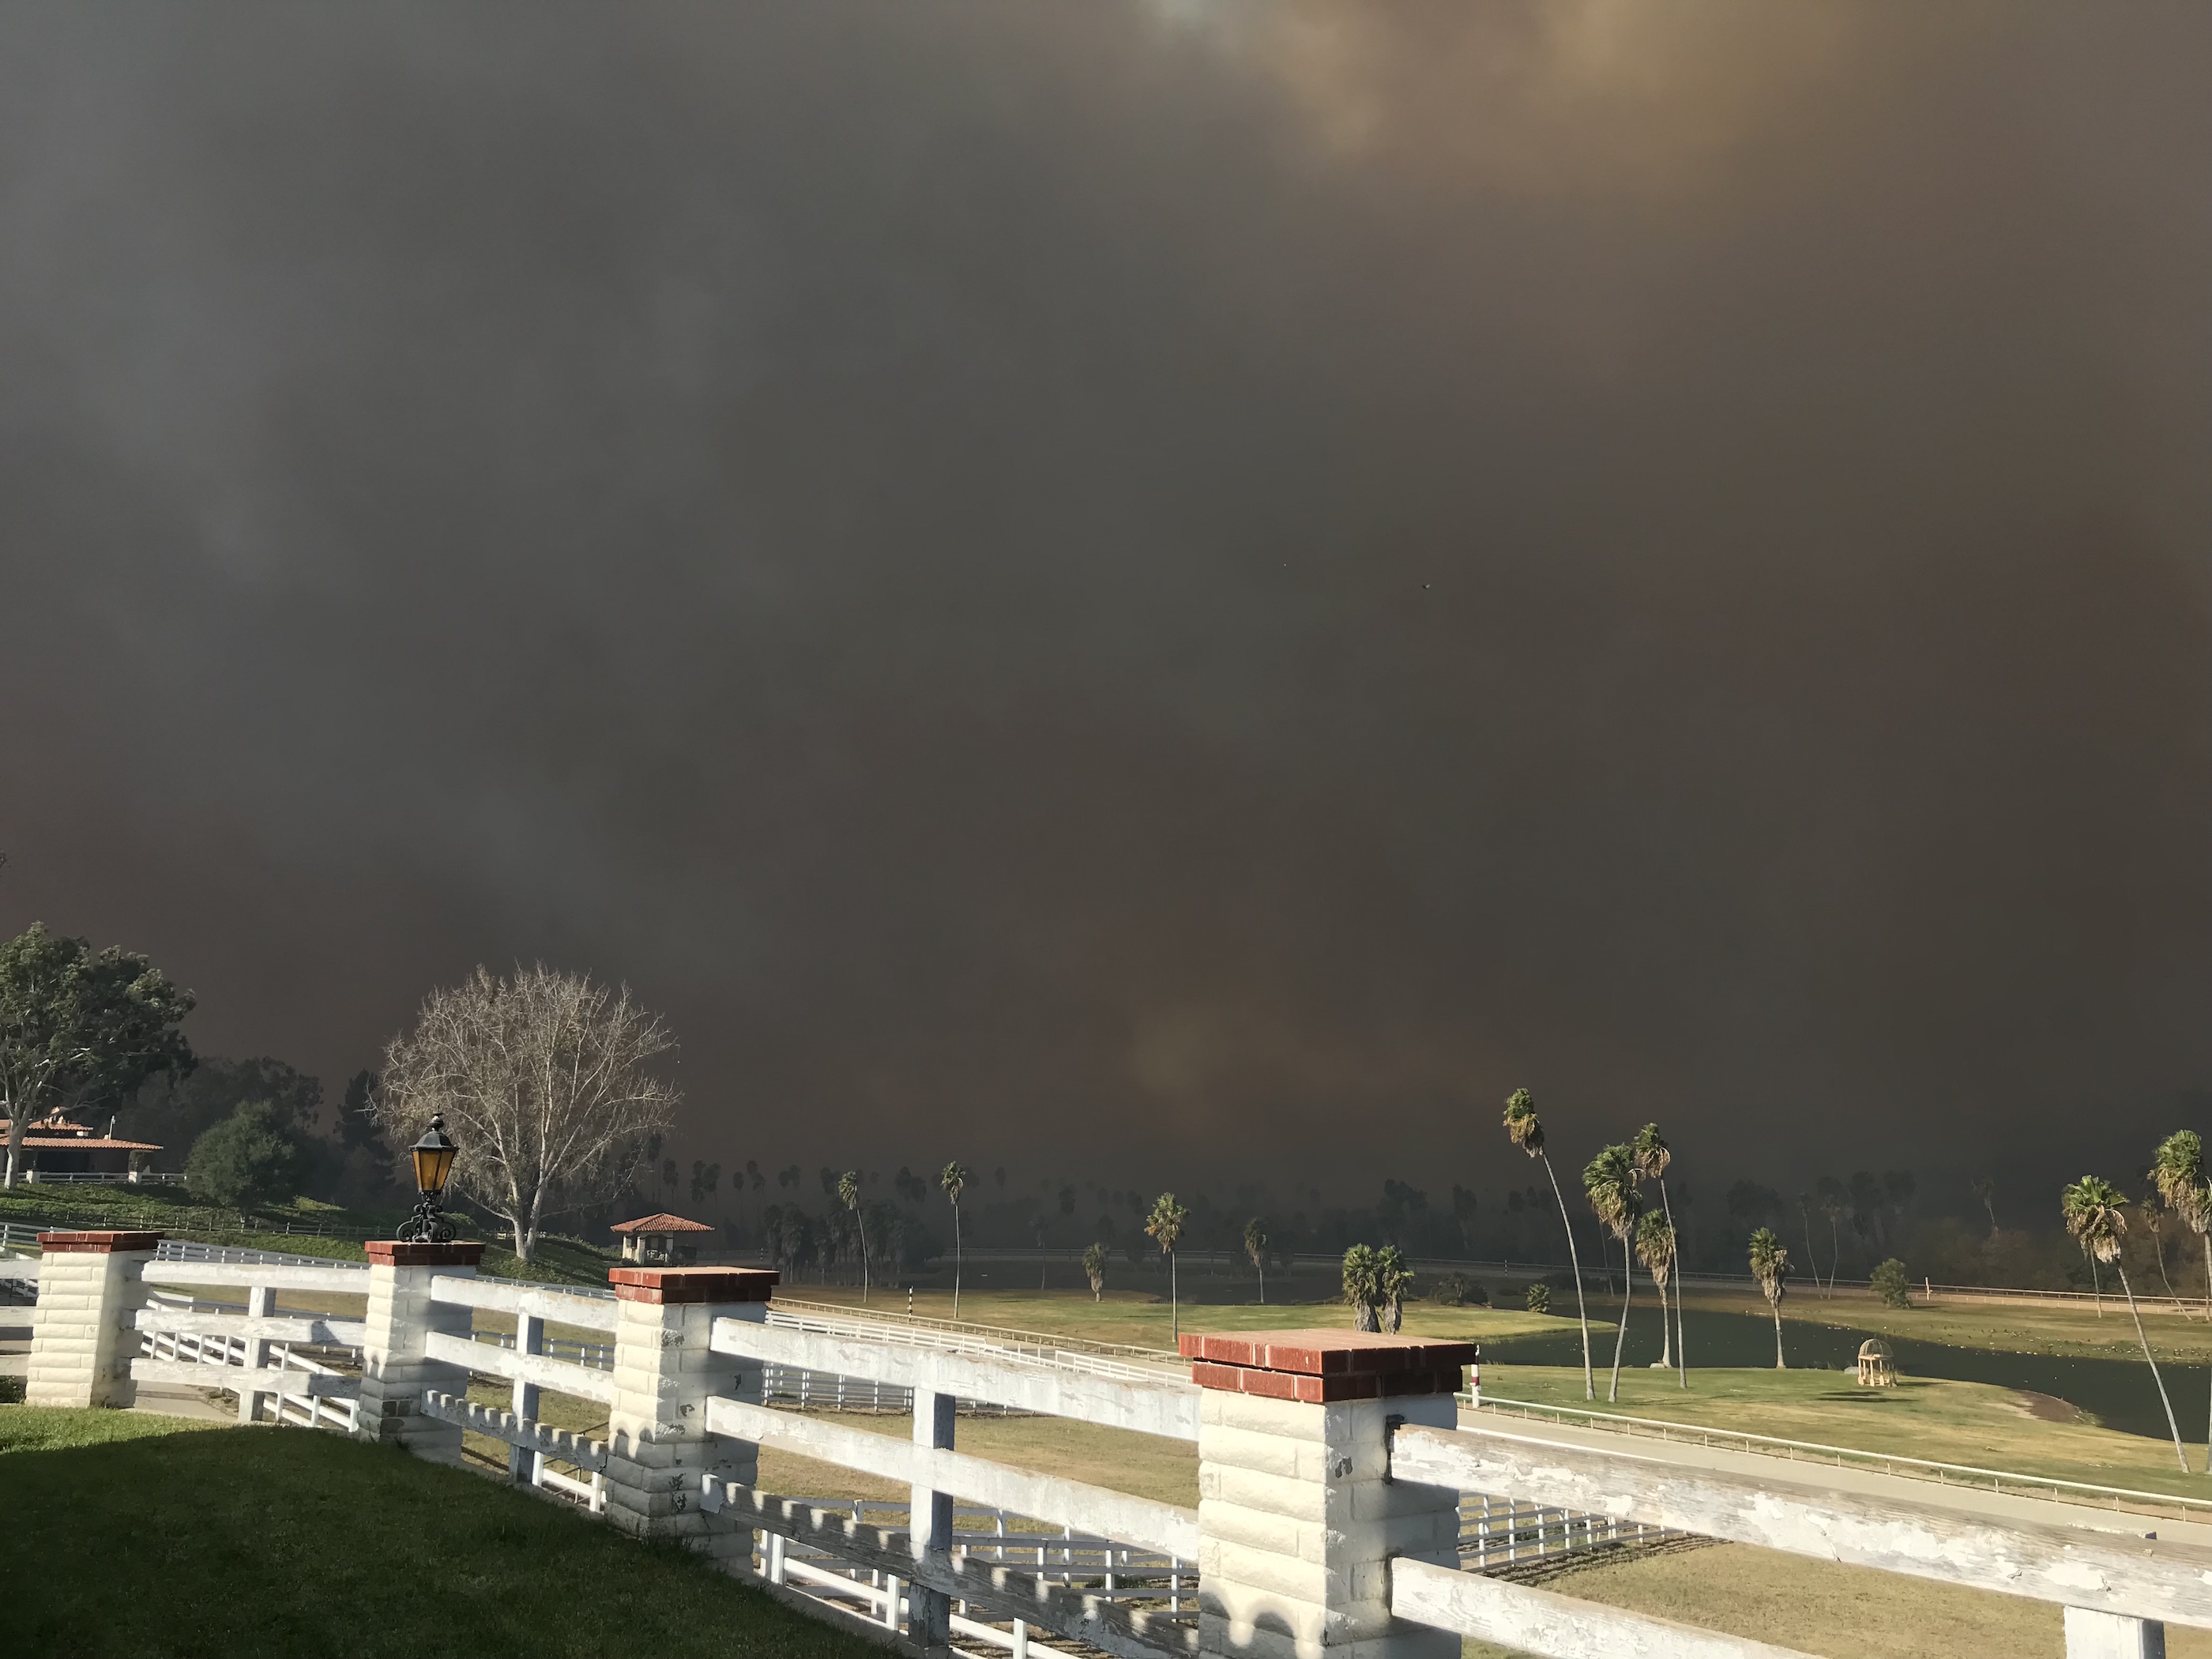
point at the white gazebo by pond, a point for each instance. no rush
(661, 1241)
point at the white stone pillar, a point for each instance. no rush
(395, 1369)
(82, 1340)
(658, 1447)
(1299, 1516)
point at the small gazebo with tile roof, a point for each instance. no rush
(661, 1241)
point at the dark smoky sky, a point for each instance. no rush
(1142, 588)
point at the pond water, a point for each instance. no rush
(2118, 1392)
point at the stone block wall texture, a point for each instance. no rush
(1299, 1516)
(658, 1447)
(396, 1370)
(90, 1284)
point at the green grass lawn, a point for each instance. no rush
(2014, 1327)
(160, 1536)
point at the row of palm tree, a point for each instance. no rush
(1613, 1184)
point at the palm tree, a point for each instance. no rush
(1652, 1156)
(1527, 1131)
(1835, 1204)
(848, 1192)
(1362, 1286)
(1985, 1189)
(2155, 1215)
(1165, 1224)
(953, 1181)
(1654, 1248)
(1392, 1280)
(1094, 1269)
(1255, 1245)
(2177, 1169)
(1610, 1180)
(1769, 1265)
(2092, 1208)
(1805, 1210)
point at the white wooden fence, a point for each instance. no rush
(1011, 1557)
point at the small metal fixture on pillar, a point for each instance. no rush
(434, 1163)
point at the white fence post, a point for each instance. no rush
(658, 1447)
(395, 1368)
(930, 1523)
(261, 1302)
(524, 1466)
(1299, 1513)
(81, 1338)
(2091, 1634)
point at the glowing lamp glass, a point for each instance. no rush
(434, 1159)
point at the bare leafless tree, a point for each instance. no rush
(544, 1079)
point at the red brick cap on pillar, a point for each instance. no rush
(683, 1285)
(395, 1253)
(101, 1244)
(1319, 1367)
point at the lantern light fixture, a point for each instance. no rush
(433, 1165)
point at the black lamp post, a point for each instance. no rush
(434, 1162)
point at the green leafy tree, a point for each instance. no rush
(848, 1192)
(2091, 1209)
(1654, 1248)
(1609, 1180)
(1363, 1286)
(1769, 1265)
(1094, 1269)
(1166, 1226)
(1525, 1130)
(1255, 1248)
(954, 1182)
(80, 1028)
(252, 1157)
(1538, 1298)
(1891, 1284)
(1652, 1157)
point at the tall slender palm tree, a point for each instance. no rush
(1165, 1224)
(1255, 1247)
(2177, 1169)
(1653, 1155)
(1769, 1265)
(848, 1190)
(1527, 1131)
(1835, 1204)
(2152, 1208)
(1805, 1209)
(1610, 1180)
(954, 1181)
(1985, 1190)
(1654, 1248)
(2091, 1208)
